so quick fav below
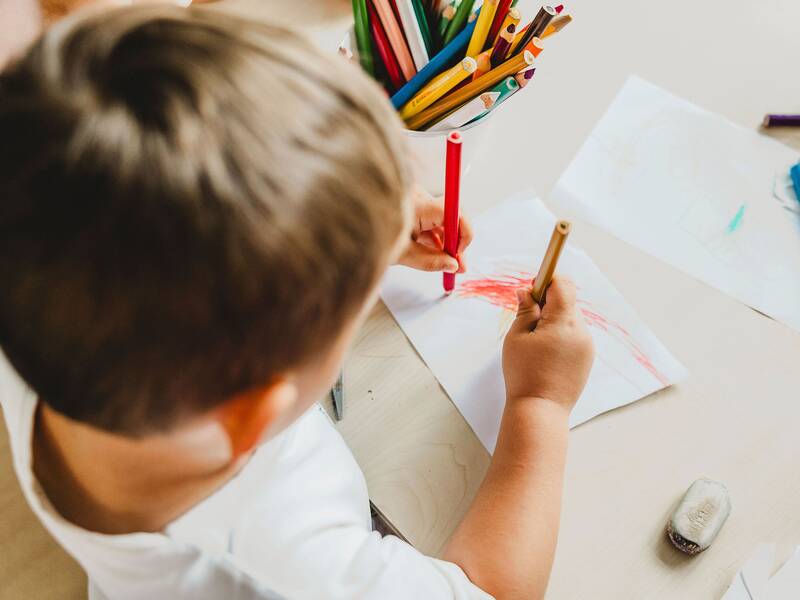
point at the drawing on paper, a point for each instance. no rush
(500, 290)
(460, 336)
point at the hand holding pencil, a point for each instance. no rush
(425, 249)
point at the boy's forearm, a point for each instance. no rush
(507, 540)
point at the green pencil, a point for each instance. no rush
(422, 19)
(363, 42)
(459, 20)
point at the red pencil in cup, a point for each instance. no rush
(452, 185)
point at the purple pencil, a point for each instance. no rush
(781, 121)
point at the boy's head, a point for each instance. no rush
(193, 207)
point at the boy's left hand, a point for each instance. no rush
(425, 250)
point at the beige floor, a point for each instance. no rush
(32, 565)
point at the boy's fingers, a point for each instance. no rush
(426, 258)
(528, 312)
(428, 214)
(560, 297)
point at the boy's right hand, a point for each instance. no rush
(548, 352)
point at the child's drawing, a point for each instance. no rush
(460, 337)
(696, 191)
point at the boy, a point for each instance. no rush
(196, 211)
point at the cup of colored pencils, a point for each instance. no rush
(448, 64)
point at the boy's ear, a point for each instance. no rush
(246, 417)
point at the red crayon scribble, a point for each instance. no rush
(501, 290)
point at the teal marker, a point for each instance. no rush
(736, 221)
(794, 173)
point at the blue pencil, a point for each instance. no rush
(794, 173)
(453, 50)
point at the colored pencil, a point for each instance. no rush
(502, 45)
(794, 175)
(503, 6)
(557, 25)
(361, 23)
(468, 113)
(481, 30)
(384, 50)
(451, 101)
(438, 87)
(537, 26)
(337, 395)
(505, 89)
(421, 15)
(416, 43)
(550, 260)
(512, 18)
(535, 47)
(396, 38)
(451, 202)
(458, 21)
(559, 8)
(781, 121)
(525, 77)
(521, 31)
(484, 60)
(450, 53)
(447, 15)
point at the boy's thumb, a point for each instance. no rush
(528, 311)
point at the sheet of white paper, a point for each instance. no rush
(785, 584)
(696, 191)
(751, 581)
(460, 336)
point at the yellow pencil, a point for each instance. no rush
(438, 88)
(557, 25)
(445, 105)
(478, 39)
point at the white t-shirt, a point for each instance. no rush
(294, 524)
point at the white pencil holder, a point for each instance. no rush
(427, 149)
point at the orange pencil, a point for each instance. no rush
(396, 39)
(443, 106)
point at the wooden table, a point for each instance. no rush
(736, 419)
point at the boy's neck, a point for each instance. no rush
(112, 484)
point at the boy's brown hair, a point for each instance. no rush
(190, 205)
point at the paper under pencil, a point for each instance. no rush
(557, 25)
(470, 112)
(781, 121)
(361, 25)
(451, 203)
(416, 43)
(502, 45)
(396, 39)
(449, 54)
(458, 21)
(384, 49)
(498, 23)
(537, 26)
(438, 87)
(481, 30)
(443, 106)
(550, 260)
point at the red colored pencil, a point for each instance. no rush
(384, 49)
(499, 17)
(559, 8)
(451, 201)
